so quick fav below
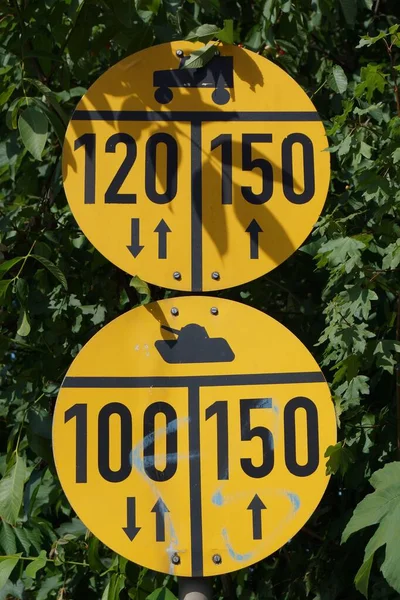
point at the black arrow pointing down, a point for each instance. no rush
(135, 248)
(131, 530)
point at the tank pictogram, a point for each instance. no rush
(194, 345)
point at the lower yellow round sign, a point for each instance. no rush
(189, 435)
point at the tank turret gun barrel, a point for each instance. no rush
(171, 329)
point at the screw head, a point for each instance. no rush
(175, 559)
(177, 276)
(215, 275)
(179, 53)
(214, 310)
(174, 311)
(217, 560)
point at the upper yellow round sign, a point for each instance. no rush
(190, 446)
(196, 179)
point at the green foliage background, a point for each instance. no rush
(339, 293)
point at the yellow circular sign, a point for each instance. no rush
(189, 435)
(196, 179)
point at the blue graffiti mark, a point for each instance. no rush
(232, 553)
(136, 458)
(217, 498)
(275, 408)
(264, 403)
(172, 458)
(294, 499)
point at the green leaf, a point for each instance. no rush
(52, 99)
(337, 80)
(53, 118)
(396, 156)
(204, 33)
(162, 593)
(7, 566)
(226, 34)
(49, 585)
(254, 39)
(37, 564)
(4, 96)
(54, 270)
(4, 283)
(12, 112)
(361, 579)
(381, 507)
(349, 9)
(201, 57)
(343, 252)
(9, 150)
(366, 40)
(7, 538)
(8, 264)
(340, 458)
(93, 555)
(148, 5)
(11, 491)
(372, 80)
(116, 585)
(142, 288)
(24, 326)
(33, 128)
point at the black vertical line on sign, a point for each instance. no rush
(196, 525)
(197, 209)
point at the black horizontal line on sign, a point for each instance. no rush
(192, 116)
(200, 380)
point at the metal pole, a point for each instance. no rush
(195, 588)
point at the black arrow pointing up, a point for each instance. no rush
(131, 530)
(135, 248)
(160, 509)
(254, 229)
(162, 229)
(256, 506)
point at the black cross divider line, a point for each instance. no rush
(201, 380)
(195, 116)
